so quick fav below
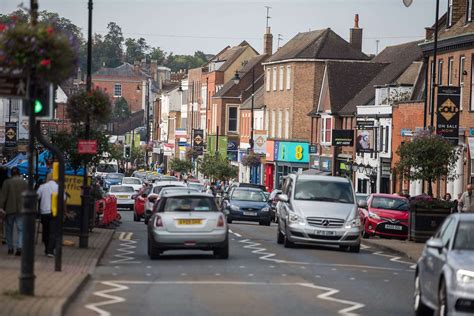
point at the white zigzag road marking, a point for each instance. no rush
(266, 255)
(126, 250)
(395, 259)
(120, 286)
(111, 298)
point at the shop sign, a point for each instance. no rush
(447, 121)
(386, 170)
(168, 149)
(342, 137)
(269, 155)
(365, 140)
(198, 141)
(313, 149)
(326, 164)
(10, 134)
(365, 124)
(180, 132)
(407, 132)
(259, 145)
(293, 152)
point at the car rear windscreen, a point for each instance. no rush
(190, 204)
(122, 189)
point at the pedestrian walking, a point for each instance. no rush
(45, 193)
(3, 178)
(11, 201)
(466, 202)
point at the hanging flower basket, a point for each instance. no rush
(96, 103)
(251, 160)
(24, 47)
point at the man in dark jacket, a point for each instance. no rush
(11, 200)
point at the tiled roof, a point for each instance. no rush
(399, 58)
(320, 44)
(346, 79)
(258, 101)
(124, 70)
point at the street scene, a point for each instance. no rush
(221, 157)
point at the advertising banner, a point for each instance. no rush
(198, 135)
(293, 152)
(447, 119)
(10, 134)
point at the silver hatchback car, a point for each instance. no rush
(188, 220)
(444, 279)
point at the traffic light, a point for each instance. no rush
(127, 153)
(43, 103)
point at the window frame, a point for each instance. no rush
(440, 72)
(449, 14)
(236, 107)
(462, 66)
(274, 78)
(281, 78)
(287, 124)
(268, 83)
(280, 123)
(117, 84)
(471, 100)
(450, 70)
(324, 130)
(469, 11)
(288, 77)
(273, 131)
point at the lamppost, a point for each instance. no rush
(408, 3)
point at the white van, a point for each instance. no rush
(106, 166)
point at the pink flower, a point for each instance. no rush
(3, 27)
(50, 30)
(45, 62)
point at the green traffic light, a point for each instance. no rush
(38, 106)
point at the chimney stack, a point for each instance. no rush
(356, 35)
(268, 42)
(136, 65)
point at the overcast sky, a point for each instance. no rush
(184, 26)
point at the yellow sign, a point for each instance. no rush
(448, 109)
(74, 189)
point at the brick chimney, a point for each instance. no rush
(356, 35)
(154, 69)
(136, 65)
(268, 42)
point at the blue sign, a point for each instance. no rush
(293, 152)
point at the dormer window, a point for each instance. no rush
(450, 13)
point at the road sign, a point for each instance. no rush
(87, 147)
(13, 87)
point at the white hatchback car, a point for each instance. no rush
(124, 194)
(136, 183)
(188, 221)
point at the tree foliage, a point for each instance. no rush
(96, 104)
(135, 50)
(121, 110)
(427, 157)
(180, 165)
(217, 167)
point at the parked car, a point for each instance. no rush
(247, 204)
(319, 210)
(140, 200)
(444, 278)
(112, 179)
(361, 197)
(384, 215)
(273, 201)
(124, 194)
(136, 183)
(153, 195)
(197, 186)
(188, 221)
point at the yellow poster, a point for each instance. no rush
(74, 189)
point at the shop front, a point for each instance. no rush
(290, 157)
(269, 165)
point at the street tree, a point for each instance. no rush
(217, 167)
(121, 110)
(427, 157)
(113, 45)
(135, 50)
(180, 165)
(96, 104)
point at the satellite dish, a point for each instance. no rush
(407, 3)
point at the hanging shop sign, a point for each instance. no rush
(365, 140)
(293, 152)
(10, 134)
(198, 141)
(342, 137)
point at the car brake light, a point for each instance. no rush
(220, 221)
(158, 222)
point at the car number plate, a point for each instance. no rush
(325, 233)
(192, 221)
(393, 227)
(250, 213)
(122, 196)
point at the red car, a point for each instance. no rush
(385, 215)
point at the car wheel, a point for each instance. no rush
(229, 220)
(222, 253)
(268, 223)
(288, 243)
(280, 236)
(420, 308)
(153, 252)
(442, 300)
(355, 249)
(365, 235)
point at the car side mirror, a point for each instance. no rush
(362, 204)
(283, 198)
(435, 243)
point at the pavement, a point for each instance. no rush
(53, 290)
(259, 278)
(406, 248)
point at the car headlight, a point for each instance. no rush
(295, 218)
(353, 223)
(373, 215)
(465, 276)
(265, 209)
(234, 208)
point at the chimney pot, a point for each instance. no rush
(356, 21)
